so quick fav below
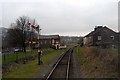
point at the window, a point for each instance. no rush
(45, 42)
(41, 42)
(112, 37)
(53, 41)
(99, 37)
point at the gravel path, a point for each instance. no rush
(76, 67)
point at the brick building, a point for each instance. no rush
(101, 36)
(50, 41)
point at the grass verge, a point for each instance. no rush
(31, 69)
(97, 63)
(7, 58)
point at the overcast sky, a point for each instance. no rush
(64, 17)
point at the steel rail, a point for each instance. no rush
(68, 67)
(62, 56)
(56, 65)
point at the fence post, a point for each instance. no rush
(4, 57)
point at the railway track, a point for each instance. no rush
(62, 67)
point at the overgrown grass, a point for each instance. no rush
(12, 57)
(31, 68)
(51, 55)
(97, 63)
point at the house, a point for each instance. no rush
(101, 36)
(49, 41)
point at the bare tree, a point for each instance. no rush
(22, 24)
(17, 34)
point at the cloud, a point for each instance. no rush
(63, 16)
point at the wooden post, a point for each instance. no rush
(4, 57)
(39, 56)
(39, 49)
(16, 56)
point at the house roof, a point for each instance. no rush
(98, 29)
(90, 34)
(49, 36)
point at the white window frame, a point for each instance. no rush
(45, 42)
(99, 38)
(112, 37)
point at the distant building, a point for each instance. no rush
(3, 41)
(70, 39)
(50, 41)
(101, 36)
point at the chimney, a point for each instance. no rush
(97, 27)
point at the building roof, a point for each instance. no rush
(90, 34)
(98, 29)
(49, 36)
